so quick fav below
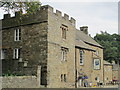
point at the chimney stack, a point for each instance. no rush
(84, 29)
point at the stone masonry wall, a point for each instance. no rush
(56, 66)
(107, 73)
(86, 68)
(33, 43)
(19, 82)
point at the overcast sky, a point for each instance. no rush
(98, 16)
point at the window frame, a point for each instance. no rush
(64, 31)
(63, 77)
(16, 53)
(81, 53)
(17, 34)
(64, 52)
(3, 54)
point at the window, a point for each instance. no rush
(16, 53)
(64, 31)
(17, 35)
(2, 54)
(81, 57)
(63, 78)
(64, 54)
(44, 75)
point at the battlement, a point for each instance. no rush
(39, 16)
(59, 13)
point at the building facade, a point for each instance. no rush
(68, 57)
(108, 73)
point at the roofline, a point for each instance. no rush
(24, 25)
(93, 44)
(84, 48)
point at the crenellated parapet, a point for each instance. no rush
(59, 14)
(37, 17)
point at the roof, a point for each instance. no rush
(87, 39)
(81, 44)
(106, 62)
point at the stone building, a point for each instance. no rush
(107, 72)
(115, 71)
(68, 57)
(111, 73)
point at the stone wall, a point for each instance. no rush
(20, 82)
(115, 74)
(98, 54)
(33, 43)
(107, 73)
(85, 69)
(57, 66)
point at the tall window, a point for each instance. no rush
(16, 53)
(81, 57)
(64, 53)
(65, 77)
(64, 31)
(2, 53)
(17, 34)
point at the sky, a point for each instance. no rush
(97, 15)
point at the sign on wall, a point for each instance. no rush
(96, 63)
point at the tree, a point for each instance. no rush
(27, 7)
(111, 45)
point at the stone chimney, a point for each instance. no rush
(84, 29)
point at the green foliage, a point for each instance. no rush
(111, 45)
(28, 7)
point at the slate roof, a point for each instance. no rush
(85, 38)
(81, 44)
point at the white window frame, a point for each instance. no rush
(17, 35)
(2, 54)
(81, 57)
(64, 54)
(16, 53)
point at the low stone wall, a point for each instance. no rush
(20, 82)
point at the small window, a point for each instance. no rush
(64, 31)
(3, 53)
(17, 35)
(64, 53)
(81, 57)
(63, 78)
(16, 53)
